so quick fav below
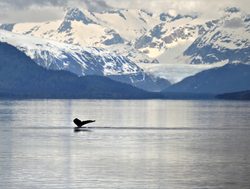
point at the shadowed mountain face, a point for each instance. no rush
(20, 77)
(226, 79)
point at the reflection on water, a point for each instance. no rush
(156, 144)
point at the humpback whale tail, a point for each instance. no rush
(80, 123)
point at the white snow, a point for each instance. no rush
(51, 51)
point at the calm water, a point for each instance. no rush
(187, 145)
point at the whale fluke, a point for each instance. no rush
(80, 123)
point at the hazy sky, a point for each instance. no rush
(43, 10)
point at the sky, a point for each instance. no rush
(14, 11)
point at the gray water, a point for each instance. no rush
(135, 145)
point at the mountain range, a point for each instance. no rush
(148, 50)
(144, 36)
(21, 77)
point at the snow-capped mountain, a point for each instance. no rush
(110, 29)
(228, 40)
(139, 35)
(173, 46)
(81, 60)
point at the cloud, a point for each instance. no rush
(93, 5)
(13, 11)
(23, 10)
(185, 6)
(34, 13)
(208, 9)
(97, 5)
(19, 4)
(30, 10)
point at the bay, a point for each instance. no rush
(134, 144)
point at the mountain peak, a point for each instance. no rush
(75, 14)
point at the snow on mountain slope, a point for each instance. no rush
(147, 35)
(79, 60)
(128, 23)
(169, 34)
(228, 40)
(112, 29)
(82, 61)
(77, 27)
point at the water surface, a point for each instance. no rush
(137, 144)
